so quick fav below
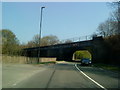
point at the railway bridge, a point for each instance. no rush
(65, 51)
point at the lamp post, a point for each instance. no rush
(119, 17)
(40, 33)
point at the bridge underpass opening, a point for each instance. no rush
(80, 54)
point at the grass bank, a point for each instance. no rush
(50, 62)
(107, 67)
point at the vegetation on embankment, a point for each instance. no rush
(110, 30)
(112, 44)
(50, 62)
(107, 67)
(11, 46)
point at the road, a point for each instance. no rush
(61, 75)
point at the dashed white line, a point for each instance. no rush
(90, 78)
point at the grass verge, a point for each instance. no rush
(107, 67)
(50, 62)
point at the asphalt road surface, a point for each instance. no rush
(60, 75)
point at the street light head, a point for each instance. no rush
(42, 7)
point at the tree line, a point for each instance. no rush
(11, 46)
(110, 30)
(111, 26)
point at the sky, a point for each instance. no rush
(63, 19)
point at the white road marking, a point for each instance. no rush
(90, 78)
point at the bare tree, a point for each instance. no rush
(112, 25)
(49, 40)
(105, 28)
(36, 40)
(45, 41)
(68, 41)
(115, 15)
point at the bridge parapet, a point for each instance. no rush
(66, 50)
(87, 42)
(77, 39)
(69, 45)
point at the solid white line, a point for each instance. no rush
(90, 78)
